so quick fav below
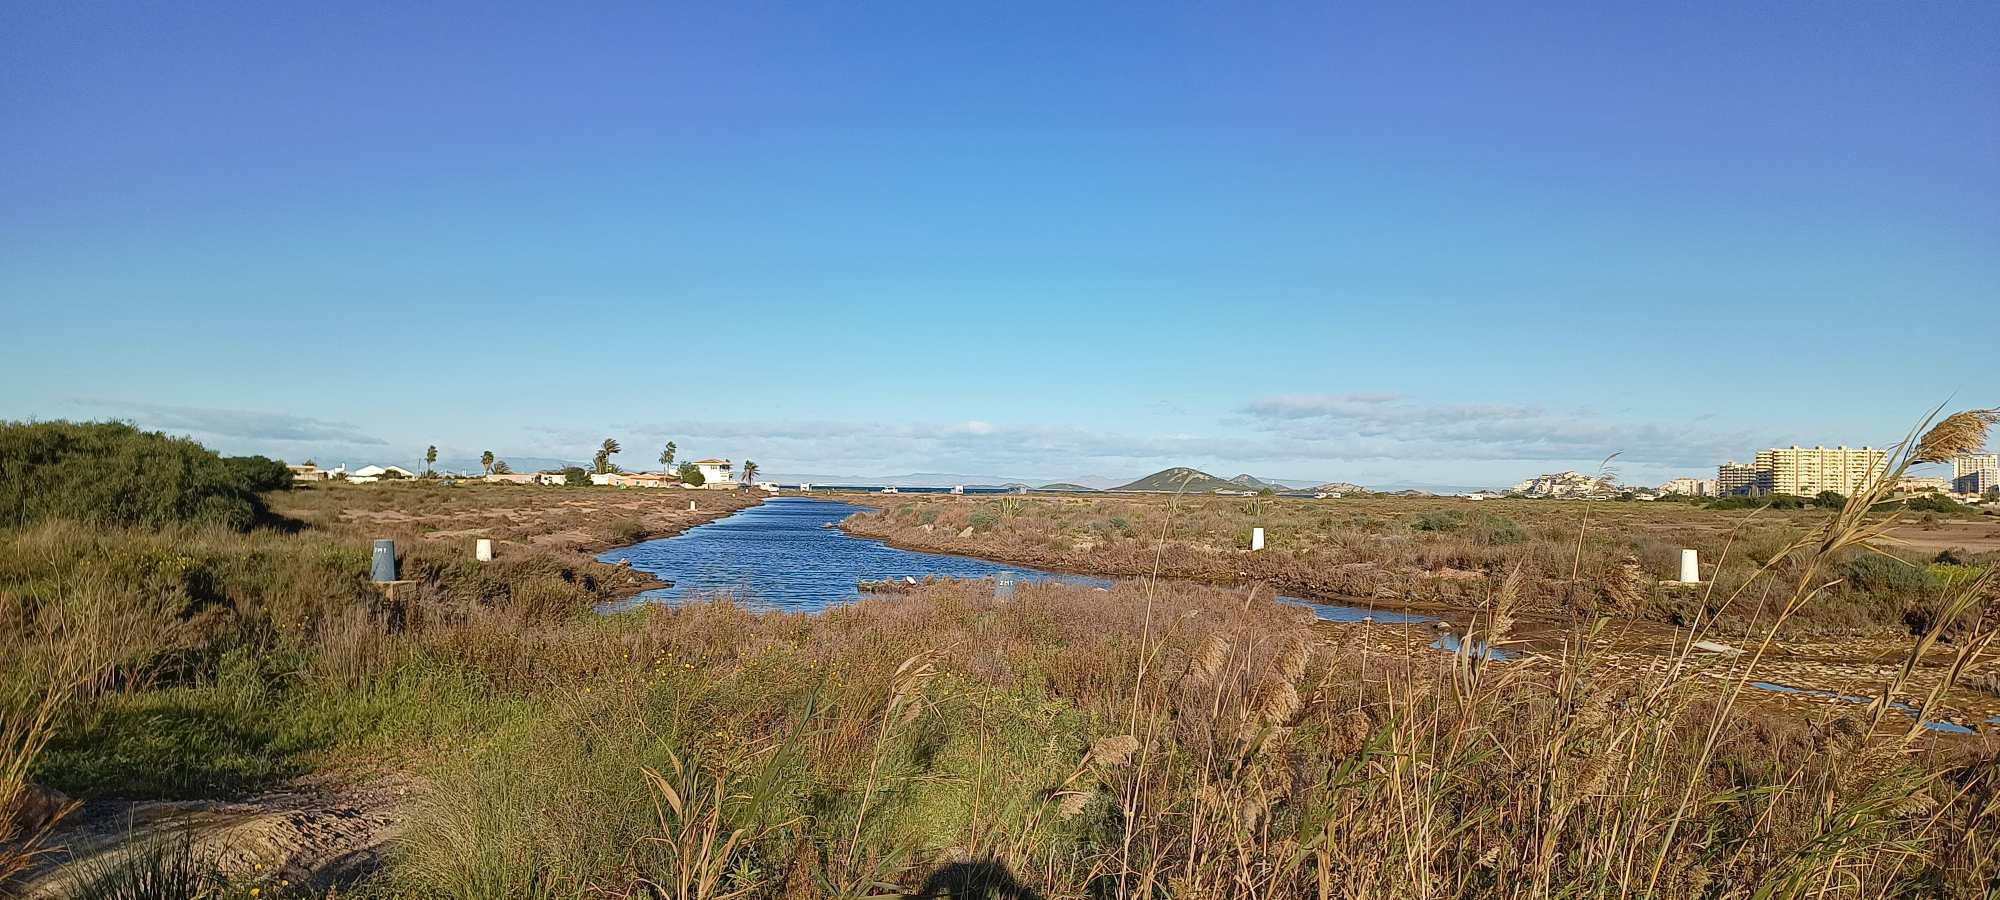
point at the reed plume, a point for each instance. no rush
(1957, 435)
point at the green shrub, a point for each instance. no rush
(1499, 530)
(1879, 573)
(113, 473)
(983, 520)
(1935, 503)
(1771, 501)
(1437, 520)
(260, 473)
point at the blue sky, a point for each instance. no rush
(1458, 243)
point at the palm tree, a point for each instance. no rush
(667, 455)
(749, 472)
(486, 460)
(430, 457)
(604, 454)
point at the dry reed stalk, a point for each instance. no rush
(1957, 435)
(1848, 527)
(26, 818)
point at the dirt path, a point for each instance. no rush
(315, 831)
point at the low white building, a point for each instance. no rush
(636, 479)
(310, 472)
(1690, 487)
(1923, 484)
(715, 472)
(368, 474)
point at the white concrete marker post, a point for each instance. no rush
(1690, 567)
(1256, 539)
(690, 506)
(483, 551)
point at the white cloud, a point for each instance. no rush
(1386, 426)
(236, 424)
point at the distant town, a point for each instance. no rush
(1790, 471)
(1805, 472)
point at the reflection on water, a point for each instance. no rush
(1450, 642)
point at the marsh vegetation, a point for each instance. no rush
(1162, 738)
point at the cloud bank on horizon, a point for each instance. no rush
(1358, 436)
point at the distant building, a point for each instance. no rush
(637, 479)
(310, 472)
(1919, 484)
(1734, 479)
(514, 478)
(367, 474)
(1563, 485)
(1690, 487)
(715, 472)
(1975, 473)
(1808, 471)
(557, 477)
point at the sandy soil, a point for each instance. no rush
(1974, 536)
(317, 831)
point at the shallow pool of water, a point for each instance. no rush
(1899, 706)
(786, 554)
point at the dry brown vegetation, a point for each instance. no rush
(1159, 739)
(1442, 553)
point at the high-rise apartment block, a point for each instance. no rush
(1734, 479)
(1807, 471)
(1975, 473)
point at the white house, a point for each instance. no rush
(556, 478)
(367, 474)
(310, 472)
(715, 472)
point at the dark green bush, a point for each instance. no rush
(1774, 501)
(1878, 573)
(1936, 503)
(260, 473)
(1437, 521)
(113, 473)
(1498, 530)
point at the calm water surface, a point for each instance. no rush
(782, 555)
